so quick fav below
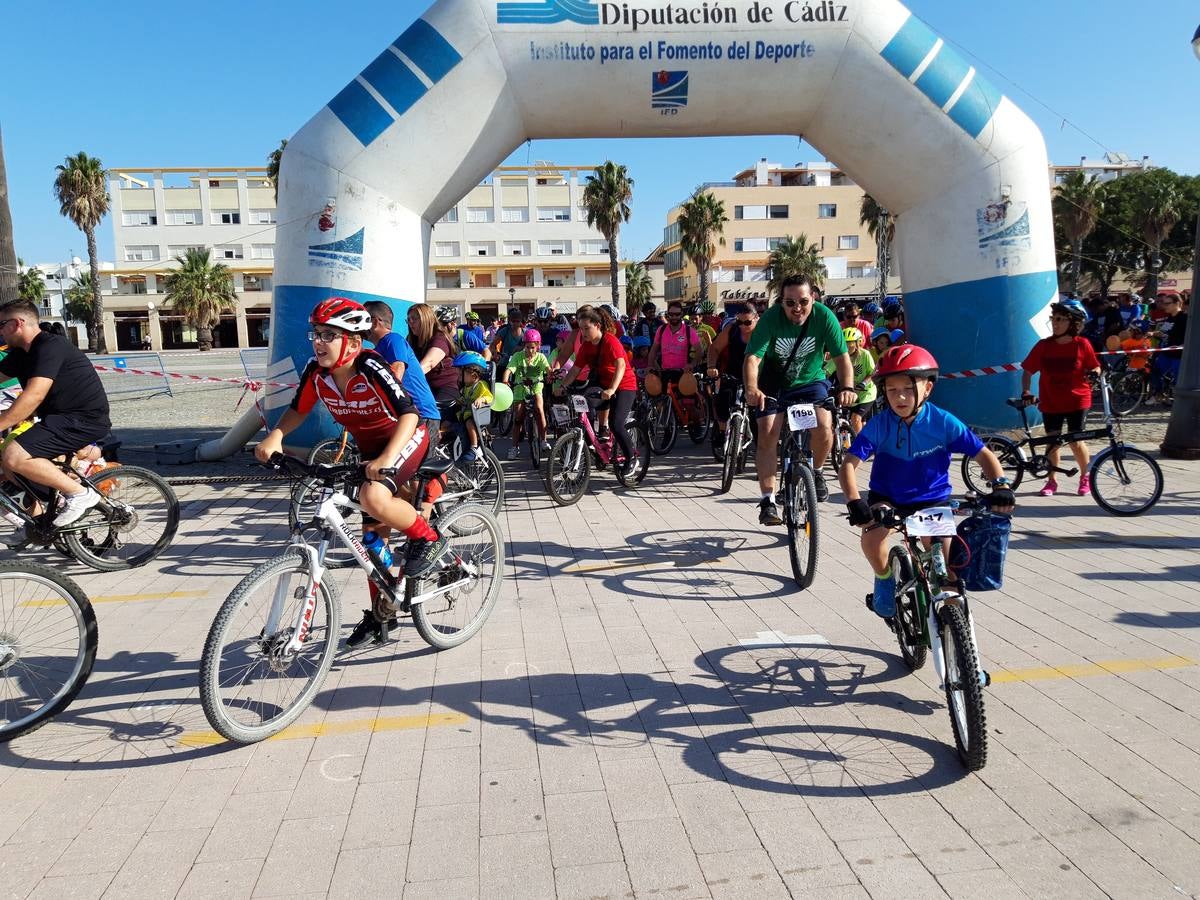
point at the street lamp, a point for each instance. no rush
(1182, 440)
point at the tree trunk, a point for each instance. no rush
(702, 278)
(204, 337)
(1152, 262)
(1076, 262)
(8, 252)
(612, 272)
(98, 343)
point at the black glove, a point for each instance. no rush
(860, 512)
(1002, 495)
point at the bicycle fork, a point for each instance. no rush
(304, 616)
(935, 629)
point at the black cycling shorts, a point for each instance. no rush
(61, 435)
(1053, 422)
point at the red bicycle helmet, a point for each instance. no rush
(342, 312)
(907, 359)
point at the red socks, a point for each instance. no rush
(421, 530)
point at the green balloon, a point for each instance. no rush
(504, 397)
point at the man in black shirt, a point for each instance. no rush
(59, 386)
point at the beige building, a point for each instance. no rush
(766, 204)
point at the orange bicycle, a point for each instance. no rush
(682, 403)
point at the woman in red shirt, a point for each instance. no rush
(603, 354)
(1064, 359)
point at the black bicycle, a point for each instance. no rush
(737, 437)
(529, 424)
(1125, 481)
(798, 479)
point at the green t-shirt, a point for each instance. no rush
(526, 369)
(774, 337)
(864, 367)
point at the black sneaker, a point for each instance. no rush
(423, 554)
(822, 489)
(370, 627)
(768, 513)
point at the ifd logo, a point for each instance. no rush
(668, 92)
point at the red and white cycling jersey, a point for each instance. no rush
(372, 406)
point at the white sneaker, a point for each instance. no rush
(75, 506)
(514, 452)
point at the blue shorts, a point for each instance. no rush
(807, 393)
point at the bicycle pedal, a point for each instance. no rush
(985, 678)
(870, 601)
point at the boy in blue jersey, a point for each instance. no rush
(912, 442)
(402, 360)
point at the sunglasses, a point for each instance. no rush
(791, 304)
(745, 323)
(324, 337)
(7, 322)
(674, 315)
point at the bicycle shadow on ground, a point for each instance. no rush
(1179, 619)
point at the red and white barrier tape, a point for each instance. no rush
(1016, 367)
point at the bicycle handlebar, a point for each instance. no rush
(966, 504)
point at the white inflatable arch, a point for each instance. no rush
(864, 81)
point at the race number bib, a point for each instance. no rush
(561, 414)
(936, 521)
(802, 417)
(579, 402)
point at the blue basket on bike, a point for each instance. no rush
(978, 553)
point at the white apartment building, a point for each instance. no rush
(58, 278)
(520, 239)
(160, 213)
(1111, 167)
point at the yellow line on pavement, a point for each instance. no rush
(122, 598)
(326, 729)
(1087, 670)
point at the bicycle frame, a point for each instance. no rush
(51, 502)
(604, 452)
(1110, 431)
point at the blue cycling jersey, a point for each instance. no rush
(395, 349)
(912, 462)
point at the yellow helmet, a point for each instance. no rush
(852, 335)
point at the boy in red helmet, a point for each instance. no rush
(912, 442)
(361, 393)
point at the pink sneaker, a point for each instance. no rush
(1050, 489)
(1085, 485)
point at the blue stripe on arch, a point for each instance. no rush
(910, 46)
(976, 106)
(360, 112)
(425, 46)
(394, 81)
(943, 76)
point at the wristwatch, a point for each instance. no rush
(1002, 481)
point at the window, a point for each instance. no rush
(775, 243)
(750, 245)
(448, 280)
(554, 214)
(214, 183)
(262, 251)
(557, 279)
(141, 253)
(480, 214)
(750, 212)
(671, 237)
(226, 217)
(183, 217)
(516, 248)
(673, 261)
(445, 248)
(133, 219)
(739, 274)
(482, 280)
(826, 210)
(596, 279)
(482, 248)
(514, 214)
(137, 287)
(256, 283)
(262, 217)
(848, 242)
(855, 272)
(593, 248)
(673, 288)
(554, 248)
(451, 215)
(182, 249)
(229, 251)
(777, 212)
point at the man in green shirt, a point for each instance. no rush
(785, 365)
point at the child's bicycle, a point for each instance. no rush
(569, 463)
(1125, 480)
(928, 607)
(274, 638)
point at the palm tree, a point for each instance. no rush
(606, 197)
(30, 286)
(77, 299)
(201, 291)
(82, 198)
(638, 287)
(1077, 206)
(273, 159)
(1157, 208)
(8, 252)
(702, 220)
(795, 256)
(881, 226)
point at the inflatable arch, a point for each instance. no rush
(864, 81)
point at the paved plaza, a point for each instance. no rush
(651, 711)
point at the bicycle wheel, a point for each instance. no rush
(1011, 458)
(135, 523)
(747, 441)
(306, 497)
(639, 440)
(699, 424)
(475, 568)
(530, 431)
(964, 693)
(333, 451)
(800, 517)
(733, 449)
(909, 630)
(1125, 481)
(249, 687)
(48, 640)
(717, 441)
(837, 451)
(568, 468)
(1127, 392)
(664, 430)
(482, 480)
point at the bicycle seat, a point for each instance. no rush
(438, 465)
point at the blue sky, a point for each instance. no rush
(221, 82)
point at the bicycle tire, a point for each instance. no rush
(1111, 468)
(717, 441)
(300, 512)
(574, 478)
(531, 435)
(698, 430)
(640, 442)
(330, 451)
(1012, 461)
(211, 689)
(800, 517)
(913, 649)
(664, 430)
(426, 616)
(486, 477)
(964, 693)
(101, 543)
(1128, 393)
(747, 440)
(80, 622)
(733, 447)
